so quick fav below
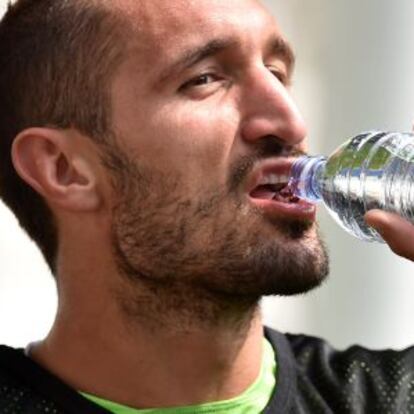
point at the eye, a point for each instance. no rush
(280, 74)
(201, 80)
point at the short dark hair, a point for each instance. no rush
(57, 58)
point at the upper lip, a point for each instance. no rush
(271, 171)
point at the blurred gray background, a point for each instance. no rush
(355, 72)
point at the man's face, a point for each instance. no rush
(203, 120)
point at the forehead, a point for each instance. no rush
(161, 26)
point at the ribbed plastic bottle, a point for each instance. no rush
(372, 170)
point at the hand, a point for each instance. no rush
(396, 231)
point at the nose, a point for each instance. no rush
(268, 109)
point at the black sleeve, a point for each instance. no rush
(356, 380)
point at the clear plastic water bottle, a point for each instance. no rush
(371, 170)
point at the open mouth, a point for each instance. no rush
(270, 191)
(279, 191)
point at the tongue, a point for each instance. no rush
(263, 193)
(286, 194)
(284, 198)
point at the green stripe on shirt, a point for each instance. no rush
(252, 401)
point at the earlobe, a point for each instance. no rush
(45, 159)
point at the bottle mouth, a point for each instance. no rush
(303, 181)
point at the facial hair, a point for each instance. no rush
(203, 258)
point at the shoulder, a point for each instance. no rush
(9, 359)
(311, 352)
(27, 388)
(16, 393)
(317, 356)
(355, 378)
(307, 349)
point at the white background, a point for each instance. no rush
(355, 72)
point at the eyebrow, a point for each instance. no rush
(278, 47)
(197, 55)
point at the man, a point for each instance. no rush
(145, 146)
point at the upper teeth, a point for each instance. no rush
(274, 179)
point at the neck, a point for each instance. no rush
(95, 348)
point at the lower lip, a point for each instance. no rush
(301, 210)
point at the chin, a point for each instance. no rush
(294, 262)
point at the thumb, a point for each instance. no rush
(397, 232)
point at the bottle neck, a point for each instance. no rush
(304, 180)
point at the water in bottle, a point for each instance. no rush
(372, 170)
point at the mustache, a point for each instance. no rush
(267, 147)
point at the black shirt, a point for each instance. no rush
(312, 377)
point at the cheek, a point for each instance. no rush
(199, 141)
(193, 139)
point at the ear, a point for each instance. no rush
(47, 160)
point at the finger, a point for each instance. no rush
(397, 232)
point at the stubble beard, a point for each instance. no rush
(203, 261)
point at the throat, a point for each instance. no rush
(184, 309)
